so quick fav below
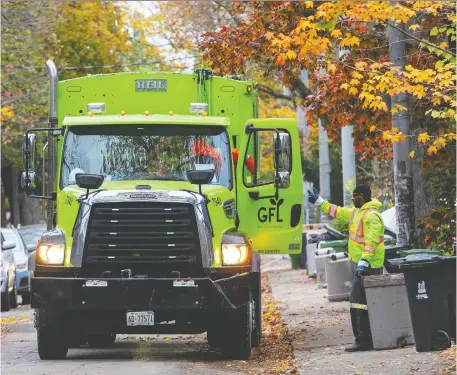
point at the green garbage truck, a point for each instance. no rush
(161, 191)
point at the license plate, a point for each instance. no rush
(140, 318)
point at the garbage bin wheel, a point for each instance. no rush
(440, 340)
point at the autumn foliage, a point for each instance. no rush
(344, 46)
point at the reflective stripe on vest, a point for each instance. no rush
(332, 210)
(359, 236)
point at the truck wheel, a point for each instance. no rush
(51, 334)
(26, 298)
(237, 343)
(6, 301)
(215, 336)
(257, 310)
(102, 340)
(13, 298)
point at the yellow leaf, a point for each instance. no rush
(309, 4)
(394, 111)
(414, 27)
(400, 137)
(394, 130)
(336, 33)
(423, 138)
(440, 142)
(432, 150)
(443, 45)
(331, 68)
(386, 135)
(353, 91)
(372, 128)
(451, 136)
(291, 55)
(344, 86)
(412, 154)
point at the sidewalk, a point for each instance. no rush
(320, 331)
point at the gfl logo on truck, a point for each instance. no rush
(271, 213)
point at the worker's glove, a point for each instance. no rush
(362, 266)
(314, 197)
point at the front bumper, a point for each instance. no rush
(158, 294)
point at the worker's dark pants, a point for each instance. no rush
(359, 312)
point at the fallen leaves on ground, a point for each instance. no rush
(15, 319)
(449, 357)
(5, 322)
(275, 355)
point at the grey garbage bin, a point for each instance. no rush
(311, 246)
(388, 311)
(321, 255)
(339, 274)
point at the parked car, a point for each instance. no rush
(31, 234)
(8, 274)
(20, 255)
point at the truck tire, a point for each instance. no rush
(51, 334)
(26, 298)
(13, 297)
(215, 335)
(6, 301)
(237, 343)
(257, 310)
(101, 340)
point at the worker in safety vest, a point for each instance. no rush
(365, 249)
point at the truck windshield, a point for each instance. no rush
(146, 152)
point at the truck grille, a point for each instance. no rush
(142, 232)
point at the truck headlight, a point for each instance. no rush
(51, 248)
(234, 254)
(51, 254)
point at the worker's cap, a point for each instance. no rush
(363, 189)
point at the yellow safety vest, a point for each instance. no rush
(366, 230)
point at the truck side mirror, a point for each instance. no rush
(28, 178)
(200, 177)
(89, 181)
(29, 150)
(282, 159)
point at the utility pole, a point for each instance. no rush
(348, 161)
(324, 167)
(403, 178)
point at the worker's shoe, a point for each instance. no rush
(359, 346)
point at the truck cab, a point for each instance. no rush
(162, 191)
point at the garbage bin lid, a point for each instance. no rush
(419, 260)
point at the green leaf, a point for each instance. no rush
(436, 114)
(439, 64)
(434, 31)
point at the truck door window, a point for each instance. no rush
(259, 167)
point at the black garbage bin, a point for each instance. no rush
(430, 283)
(303, 251)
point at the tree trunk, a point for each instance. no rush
(403, 180)
(30, 209)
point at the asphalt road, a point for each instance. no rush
(135, 355)
(130, 354)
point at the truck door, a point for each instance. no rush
(269, 184)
